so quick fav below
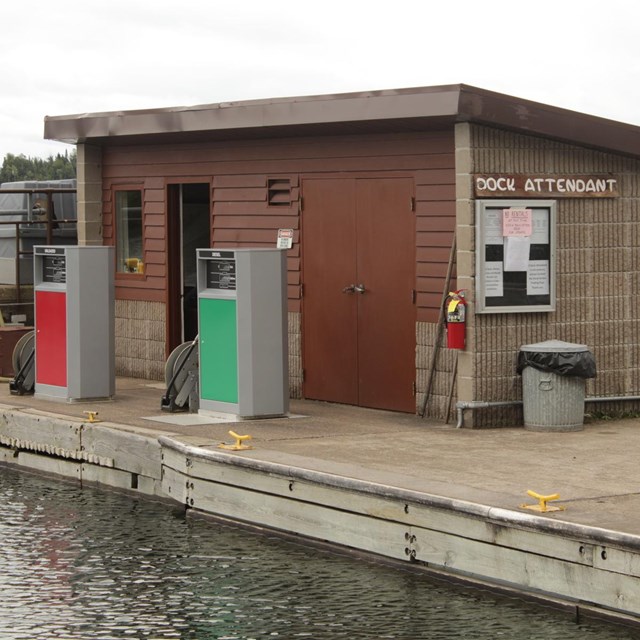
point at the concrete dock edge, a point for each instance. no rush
(591, 569)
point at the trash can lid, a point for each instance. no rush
(554, 346)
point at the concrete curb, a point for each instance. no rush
(506, 517)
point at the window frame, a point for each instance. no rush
(120, 272)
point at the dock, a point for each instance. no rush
(453, 502)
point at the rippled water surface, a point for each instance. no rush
(93, 564)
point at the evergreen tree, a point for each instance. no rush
(21, 168)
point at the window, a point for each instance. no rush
(129, 254)
(515, 256)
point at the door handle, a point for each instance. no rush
(354, 288)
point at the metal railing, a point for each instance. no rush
(34, 223)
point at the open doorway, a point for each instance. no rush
(189, 228)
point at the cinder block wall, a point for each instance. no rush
(140, 339)
(295, 355)
(598, 274)
(444, 385)
(89, 168)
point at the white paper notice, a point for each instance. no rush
(538, 278)
(493, 285)
(540, 234)
(516, 253)
(493, 227)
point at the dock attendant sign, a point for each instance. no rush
(545, 186)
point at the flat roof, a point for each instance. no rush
(396, 110)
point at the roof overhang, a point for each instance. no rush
(415, 109)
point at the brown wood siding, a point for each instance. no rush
(242, 216)
(435, 228)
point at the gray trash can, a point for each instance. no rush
(553, 384)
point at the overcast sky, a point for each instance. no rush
(72, 56)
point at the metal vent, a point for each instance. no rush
(279, 192)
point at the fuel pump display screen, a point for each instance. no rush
(221, 274)
(54, 269)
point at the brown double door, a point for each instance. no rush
(359, 300)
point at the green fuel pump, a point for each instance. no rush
(242, 325)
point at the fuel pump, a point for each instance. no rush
(455, 317)
(74, 322)
(242, 318)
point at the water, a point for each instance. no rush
(94, 564)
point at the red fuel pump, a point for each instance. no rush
(455, 317)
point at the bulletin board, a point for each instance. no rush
(515, 256)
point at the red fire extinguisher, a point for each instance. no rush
(455, 317)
